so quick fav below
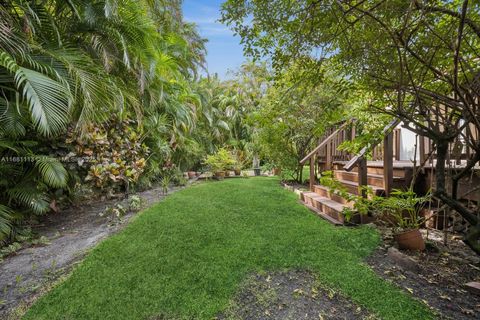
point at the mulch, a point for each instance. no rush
(439, 275)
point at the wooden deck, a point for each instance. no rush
(382, 174)
(410, 164)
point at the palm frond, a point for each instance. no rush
(52, 172)
(5, 222)
(29, 196)
(48, 100)
(11, 120)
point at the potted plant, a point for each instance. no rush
(191, 174)
(237, 166)
(219, 163)
(402, 210)
(241, 157)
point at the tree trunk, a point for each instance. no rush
(473, 235)
(300, 174)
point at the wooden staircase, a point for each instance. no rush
(354, 172)
(385, 171)
(329, 205)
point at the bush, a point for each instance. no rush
(220, 161)
(116, 154)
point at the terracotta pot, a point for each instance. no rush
(219, 175)
(410, 240)
(277, 171)
(191, 174)
(237, 172)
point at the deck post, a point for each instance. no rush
(312, 172)
(396, 141)
(388, 163)
(362, 176)
(421, 149)
(328, 156)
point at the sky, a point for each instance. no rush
(224, 51)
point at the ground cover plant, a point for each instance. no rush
(186, 256)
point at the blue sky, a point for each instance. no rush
(224, 51)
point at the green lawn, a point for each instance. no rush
(185, 257)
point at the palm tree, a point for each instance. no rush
(68, 64)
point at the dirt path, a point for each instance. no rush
(71, 234)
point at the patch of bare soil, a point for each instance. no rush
(290, 295)
(436, 276)
(71, 234)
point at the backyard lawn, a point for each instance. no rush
(185, 257)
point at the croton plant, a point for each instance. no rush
(114, 154)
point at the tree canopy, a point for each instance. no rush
(415, 60)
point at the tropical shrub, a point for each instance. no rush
(165, 184)
(115, 154)
(28, 182)
(294, 113)
(220, 161)
(136, 203)
(71, 65)
(242, 158)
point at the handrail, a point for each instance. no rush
(325, 141)
(355, 160)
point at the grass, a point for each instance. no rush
(289, 174)
(185, 257)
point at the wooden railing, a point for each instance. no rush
(324, 156)
(360, 159)
(327, 150)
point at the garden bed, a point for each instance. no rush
(437, 276)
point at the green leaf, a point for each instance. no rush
(52, 171)
(5, 221)
(30, 197)
(48, 100)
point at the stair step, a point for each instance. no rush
(322, 215)
(325, 205)
(352, 187)
(372, 179)
(329, 193)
